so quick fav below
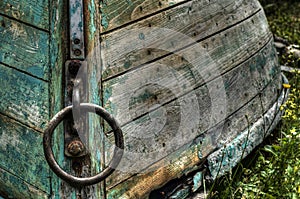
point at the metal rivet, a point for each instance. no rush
(77, 52)
(76, 41)
(75, 147)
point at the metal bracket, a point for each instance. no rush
(76, 30)
(76, 125)
(76, 84)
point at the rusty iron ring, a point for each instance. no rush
(114, 162)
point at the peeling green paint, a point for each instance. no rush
(197, 181)
(35, 12)
(16, 159)
(24, 47)
(104, 20)
(127, 64)
(181, 194)
(227, 157)
(141, 36)
(24, 97)
(129, 2)
(92, 26)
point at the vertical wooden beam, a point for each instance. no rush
(96, 135)
(58, 52)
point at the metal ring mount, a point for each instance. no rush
(118, 150)
(76, 98)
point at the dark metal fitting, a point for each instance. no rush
(75, 147)
(108, 170)
(77, 52)
(76, 41)
(74, 67)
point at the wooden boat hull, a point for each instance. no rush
(191, 83)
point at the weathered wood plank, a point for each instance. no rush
(95, 132)
(58, 48)
(169, 126)
(24, 48)
(33, 12)
(24, 98)
(192, 154)
(12, 186)
(23, 169)
(230, 155)
(58, 53)
(117, 13)
(183, 71)
(174, 29)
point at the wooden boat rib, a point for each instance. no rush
(191, 83)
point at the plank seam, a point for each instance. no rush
(201, 135)
(5, 170)
(25, 23)
(14, 119)
(144, 17)
(222, 74)
(24, 72)
(180, 49)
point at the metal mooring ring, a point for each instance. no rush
(118, 151)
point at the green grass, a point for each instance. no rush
(273, 171)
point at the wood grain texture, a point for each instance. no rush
(24, 48)
(14, 187)
(172, 30)
(23, 169)
(58, 53)
(186, 159)
(169, 126)
(34, 12)
(24, 98)
(183, 71)
(117, 13)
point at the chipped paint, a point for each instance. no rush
(226, 158)
(24, 98)
(24, 48)
(104, 21)
(17, 31)
(34, 12)
(21, 155)
(7, 138)
(181, 194)
(197, 181)
(92, 25)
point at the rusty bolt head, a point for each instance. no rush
(77, 52)
(75, 147)
(76, 41)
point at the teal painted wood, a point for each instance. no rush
(24, 48)
(24, 98)
(197, 25)
(58, 51)
(15, 187)
(23, 170)
(96, 134)
(34, 12)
